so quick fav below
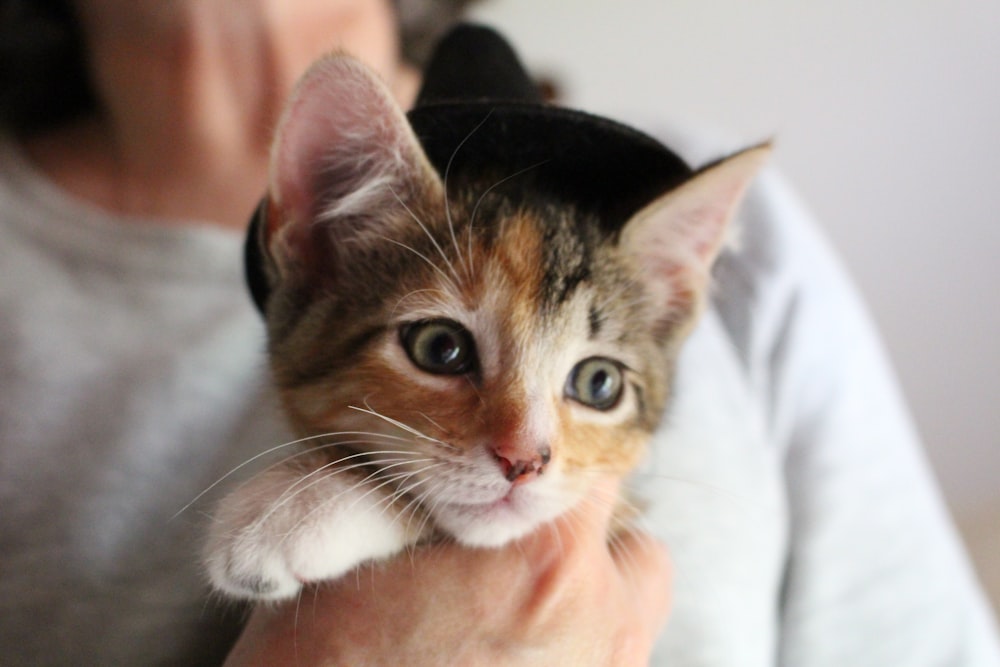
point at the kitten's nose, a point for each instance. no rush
(519, 464)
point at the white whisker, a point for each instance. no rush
(266, 452)
(415, 292)
(475, 209)
(407, 490)
(431, 264)
(324, 473)
(417, 501)
(429, 510)
(355, 486)
(402, 426)
(433, 423)
(437, 246)
(391, 479)
(369, 438)
(447, 174)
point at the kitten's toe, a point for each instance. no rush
(254, 586)
(257, 586)
(238, 572)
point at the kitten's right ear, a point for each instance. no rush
(675, 239)
(344, 154)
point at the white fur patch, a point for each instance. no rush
(284, 528)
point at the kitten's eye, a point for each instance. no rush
(596, 382)
(442, 347)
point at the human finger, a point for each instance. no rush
(581, 528)
(647, 572)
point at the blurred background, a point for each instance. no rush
(887, 120)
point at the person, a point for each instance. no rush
(802, 524)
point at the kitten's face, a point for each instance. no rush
(524, 340)
(485, 356)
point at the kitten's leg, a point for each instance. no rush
(282, 529)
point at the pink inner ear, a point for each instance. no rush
(676, 238)
(343, 149)
(333, 118)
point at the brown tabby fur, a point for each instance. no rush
(540, 286)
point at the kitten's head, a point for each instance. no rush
(484, 337)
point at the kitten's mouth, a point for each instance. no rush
(492, 523)
(509, 501)
(505, 501)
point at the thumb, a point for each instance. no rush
(646, 569)
(585, 525)
(593, 516)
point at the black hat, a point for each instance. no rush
(479, 115)
(478, 108)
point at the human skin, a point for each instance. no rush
(561, 596)
(189, 93)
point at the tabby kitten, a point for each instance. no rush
(471, 313)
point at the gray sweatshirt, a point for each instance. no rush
(787, 480)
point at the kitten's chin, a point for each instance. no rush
(497, 523)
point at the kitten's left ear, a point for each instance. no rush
(675, 239)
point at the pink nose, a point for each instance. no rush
(520, 465)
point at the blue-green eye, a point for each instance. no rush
(442, 347)
(596, 382)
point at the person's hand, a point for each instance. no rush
(560, 596)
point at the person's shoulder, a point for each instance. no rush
(776, 254)
(779, 291)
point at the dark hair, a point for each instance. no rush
(43, 68)
(423, 22)
(43, 74)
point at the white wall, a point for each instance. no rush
(887, 119)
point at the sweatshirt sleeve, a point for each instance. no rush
(875, 573)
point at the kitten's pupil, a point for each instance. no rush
(597, 383)
(600, 384)
(445, 349)
(442, 347)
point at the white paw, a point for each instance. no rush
(283, 529)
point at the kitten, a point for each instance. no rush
(471, 313)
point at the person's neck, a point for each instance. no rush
(189, 102)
